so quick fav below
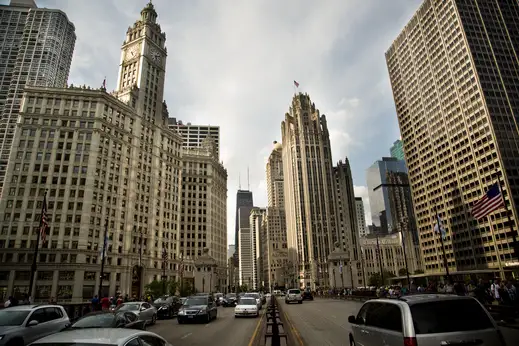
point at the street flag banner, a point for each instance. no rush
(491, 201)
(164, 254)
(340, 268)
(438, 227)
(44, 221)
(104, 249)
(296, 84)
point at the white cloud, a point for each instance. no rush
(232, 63)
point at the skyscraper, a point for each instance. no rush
(108, 166)
(275, 251)
(361, 217)
(243, 199)
(257, 244)
(347, 219)
(204, 205)
(454, 75)
(245, 253)
(309, 189)
(193, 135)
(397, 150)
(37, 46)
(376, 177)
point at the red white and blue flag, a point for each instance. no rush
(491, 201)
(44, 222)
(296, 84)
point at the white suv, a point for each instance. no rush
(294, 296)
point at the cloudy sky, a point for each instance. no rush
(232, 63)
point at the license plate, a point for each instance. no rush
(189, 316)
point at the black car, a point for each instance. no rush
(229, 300)
(307, 295)
(198, 309)
(107, 319)
(167, 307)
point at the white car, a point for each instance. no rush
(102, 337)
(247, 306)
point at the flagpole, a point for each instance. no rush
(445, 263)
(37, 246)
(103, 258)
(510, 223)
(380, 262)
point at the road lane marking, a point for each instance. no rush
(294, 330)
(334, 316)
(251, 342)
(186, 336)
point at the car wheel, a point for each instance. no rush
(153, 319)
(300, 302)
(15, 342)
(180, 321)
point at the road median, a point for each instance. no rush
(293, 338)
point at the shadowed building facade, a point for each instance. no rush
(455, 78)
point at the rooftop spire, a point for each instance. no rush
(148, 13)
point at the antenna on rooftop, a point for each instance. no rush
(248, 180)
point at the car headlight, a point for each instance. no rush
(202, 310)
(1, 337)
(181, 312)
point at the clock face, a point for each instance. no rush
(132, 52)
(155, 56)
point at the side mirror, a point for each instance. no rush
(352, 319)
(143, 308)
(32, 323)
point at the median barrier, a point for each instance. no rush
(275, 331)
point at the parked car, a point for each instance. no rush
(246, 306)
(198, 309)
(23, 324)
(107, 319)
(102, 337)
(145, 311)
(425, 320)
(294, 296)
(167, 306)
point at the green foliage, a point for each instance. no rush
(402, 272)
(419, 271)
(376, 280)
(186, 289)
(154, 288)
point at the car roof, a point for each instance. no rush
(31, 307)
(111, 336)
(422, 298)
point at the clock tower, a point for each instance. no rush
(143, 66)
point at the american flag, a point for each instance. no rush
(164, 255)
(296, 84)
(44, 222)
(492, 200)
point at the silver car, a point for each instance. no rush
(145, 311)
(23, 324)
(294, 296)
(424, 320)
(102, 337)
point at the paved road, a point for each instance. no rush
(224, 331)
(325, 322)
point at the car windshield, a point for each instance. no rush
(163, 300)
(255, 295)
(129, 307)
(195, 301)
(247, 301)
(231, 295)
(449, 316)
(12, 317)
(294, 292)
(95, 321)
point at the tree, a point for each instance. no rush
(243, 288)
(154, 288)
(402, 272)
(173, 286)
(186, 289)
(376, 280)
(418, 271)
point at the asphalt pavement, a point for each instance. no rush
(325, 322)
(224, 331)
